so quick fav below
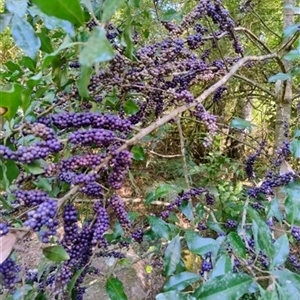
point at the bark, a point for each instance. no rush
(284, 103)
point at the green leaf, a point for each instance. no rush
(295, 148)
(25, 36)
(84, 81)
(297, 133)
(274, 210)
(97, 49)
(11, 100)
(72, 283)
(262, 234)
(236, 244)
(292, 55)
(56, 253)
(130, 107)
(279, 76)
(17, 7)
(181, 281)
(289, 283)
(241, 124)
(109, 8)
(290, 30)
(230, 286)
(36, 167)
(292, 202)
(46, 45)
(43, 183)
(282, 250)
(171, 14)
(138, 153)
(187, 209)
(115, 290)
(172, 256)
(159, 227)
(4, 20)
(11, 172)
(222, 266)
(198, 244)
(174, 295)
(69, 10)
(52, 22)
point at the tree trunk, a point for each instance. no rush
(284, 103)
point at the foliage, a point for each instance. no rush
(92, 96)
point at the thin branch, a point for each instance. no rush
(165, 156)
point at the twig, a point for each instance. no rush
(165, 156)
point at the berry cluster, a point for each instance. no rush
(117, 204)
(251, 160)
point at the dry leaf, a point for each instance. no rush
(285, 168)
(6, 245)
(3, 110)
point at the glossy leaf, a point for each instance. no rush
(25, 36)
(115, 289)
(236, 244)
(226, 287)
(138, 153)
(174, 295)
(172, 256)
(97, 49)
(181, 281)
(282, 250)
(56, 253)
(109, 8)
(222, 267)
(198, 244)
(295, 148)
(11, 100)
(69, 10)
(159, 227)
(17, 7)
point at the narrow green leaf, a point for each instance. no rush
(187, 209)
(279, 76)
(290, 30)
(11, 100)
(84, 81)
(115, 290)
(282, 250)
(262, 234)
(56, 253)
(4, 20)
(289, 283)
(236, 244)
(171, 14)
(181, 281)
(159, 227)
(230, 286)
(172, 256)
(72, 283)
(292, 55)
(46, 44)
(198, 244)
(109, 8)
(17, 7)
(25, 36)
(138, 153)
(292, 202)
(241, 124)
(174, 295)
(274, 210)
(69, 10)
(295, 148)
(222, 267)
(97, 49)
